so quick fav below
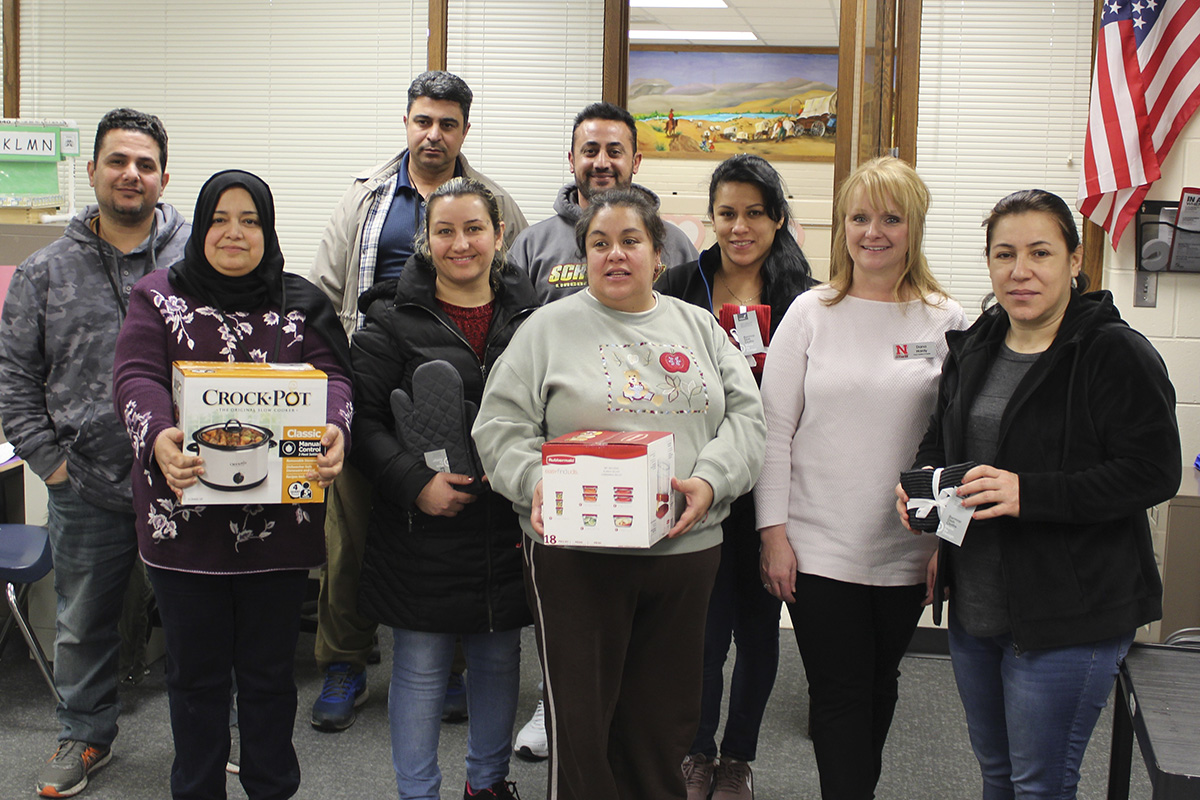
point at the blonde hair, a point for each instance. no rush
(882, 180)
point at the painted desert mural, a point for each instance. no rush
(698, 104)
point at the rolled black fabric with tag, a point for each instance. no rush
(918, 485)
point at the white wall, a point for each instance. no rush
(682, 186)
(1173, 325)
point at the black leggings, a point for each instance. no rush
(740, 610)
(852, 638)
(248, 624)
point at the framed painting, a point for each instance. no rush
(712, 102)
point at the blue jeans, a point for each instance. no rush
(218, 626)
(94, 550)
(1031, 715)
(420, 671)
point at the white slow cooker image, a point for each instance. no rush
(235, 454)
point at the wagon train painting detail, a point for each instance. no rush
(701, 103)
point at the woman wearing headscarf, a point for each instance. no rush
(229, 579)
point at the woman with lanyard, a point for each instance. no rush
(229, 579)
(755, 265)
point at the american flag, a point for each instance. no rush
(1145, 87)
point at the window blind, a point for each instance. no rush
(305, 93)
(1003, 106)
(533, 65)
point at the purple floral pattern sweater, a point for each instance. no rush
(164, 326)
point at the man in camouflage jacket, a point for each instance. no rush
(58, 330)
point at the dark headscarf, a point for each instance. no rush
(265, 286)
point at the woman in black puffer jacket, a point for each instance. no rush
(443, 553)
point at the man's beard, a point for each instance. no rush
(588, 191)
(132, 213)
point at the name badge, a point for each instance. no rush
(915, 350)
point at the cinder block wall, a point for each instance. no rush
(1173, 325)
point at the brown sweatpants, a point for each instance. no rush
(621, 638)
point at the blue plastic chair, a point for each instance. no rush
(25, 560)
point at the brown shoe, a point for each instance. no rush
(698, 776)
(733, 780)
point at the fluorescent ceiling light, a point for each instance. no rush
(677, 4)
(707, 36)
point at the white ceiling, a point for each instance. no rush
(779, 23)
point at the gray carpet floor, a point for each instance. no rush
(927, 754)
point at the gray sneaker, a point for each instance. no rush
(698, 776)
(66, 773)
(733, 781)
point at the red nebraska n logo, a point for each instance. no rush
(901, 351)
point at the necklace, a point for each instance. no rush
(746, 302)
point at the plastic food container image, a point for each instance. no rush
(609, 488)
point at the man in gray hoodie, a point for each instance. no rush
(58, 330)
(603, 156)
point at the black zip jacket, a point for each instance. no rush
(1091, 433)
(458, 574)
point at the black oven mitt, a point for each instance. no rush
(438, 417)
(918, 483)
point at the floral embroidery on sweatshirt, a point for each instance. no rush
(246, 530)
(233, 327)
(163, 524)
(651, 378)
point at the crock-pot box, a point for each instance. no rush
(258, 428)
(608, 489)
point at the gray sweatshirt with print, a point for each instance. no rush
(549, 256)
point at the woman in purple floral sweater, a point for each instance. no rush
(229, 579)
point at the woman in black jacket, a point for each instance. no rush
(1071, 417)
(756, 262)
(443, 554)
